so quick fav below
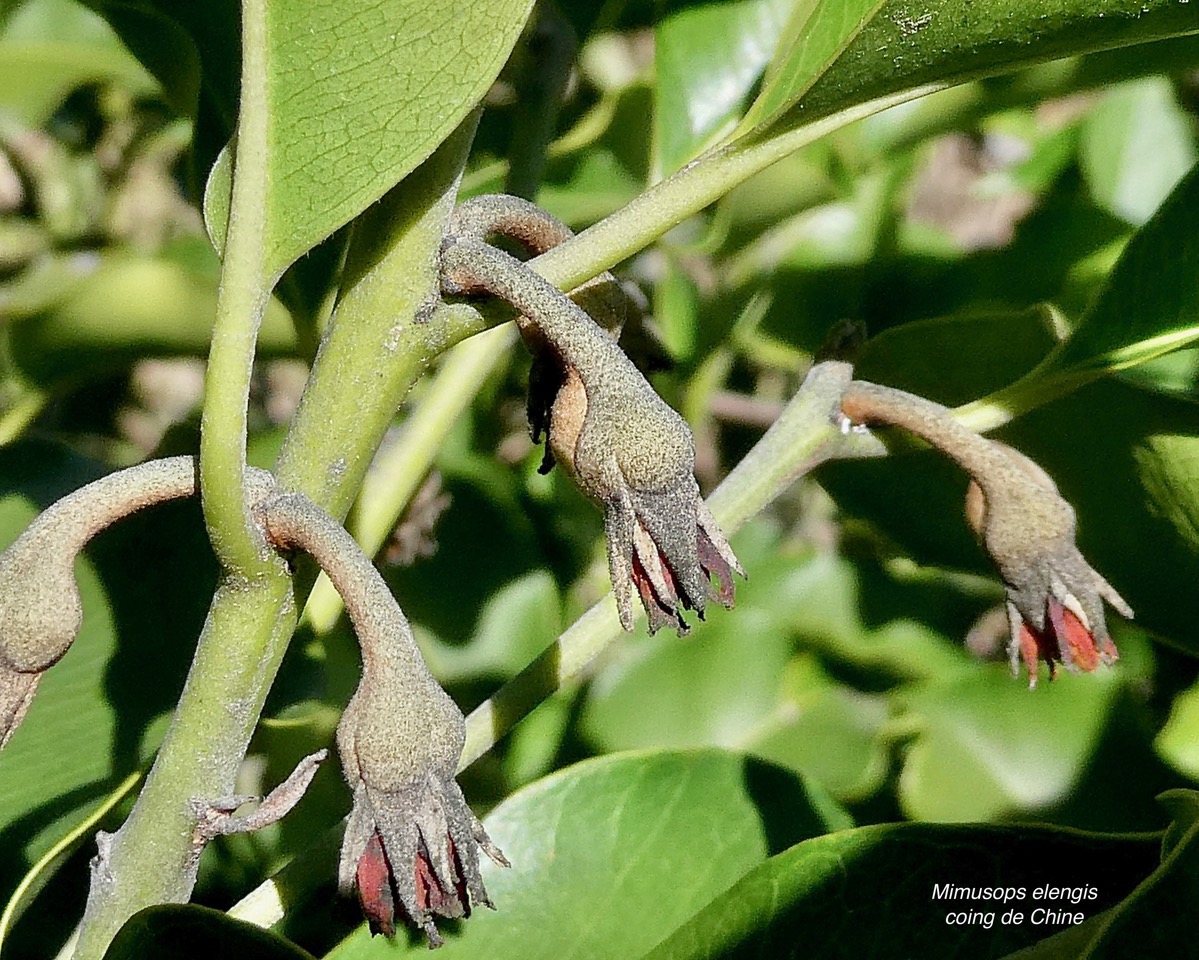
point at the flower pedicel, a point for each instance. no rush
(1054, 597)
(621, 443)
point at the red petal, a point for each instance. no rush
(1073, 636)
(714, 565)
(374, 888)
(659, 614)
(1031, 650)
(431, 895)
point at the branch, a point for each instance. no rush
(244, 293)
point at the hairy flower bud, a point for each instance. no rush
(412, 844)
(40, 607)
(607, 427)
(1054, 597)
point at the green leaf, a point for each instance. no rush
(714, 687)
(610, 855)
(706, 60)
(48, 863)
(358, 94)
(49, 48)
(816, 34)
(909, 45)
(1137, 144)
(990, 748)
(1067, 945)
(1150, 305)
(1178, 740)
(989, 349)
(828, 731)
(188, 932)
(1156, 920)
(515, 624)
(869, 892)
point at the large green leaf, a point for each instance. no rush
(815, 35)
(910, 44)
(1150, 305)
(196, 933)
(984, 747)
(706, 59)
(358, 94)
(1157, 919)
(611, 855)
(870, 893)
(515, 624)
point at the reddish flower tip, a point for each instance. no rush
(373, 878)
(1064, 639)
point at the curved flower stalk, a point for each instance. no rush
(40, 608)
(1054, 597)
(608, 428)
(412, 844)
(602, 298)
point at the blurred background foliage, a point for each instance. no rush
(968, 231)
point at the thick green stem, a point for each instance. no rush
(374, 349)
(398, 471)
(244, 293)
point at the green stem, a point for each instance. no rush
(667, 204)
(399, 469)
(1026, 394)
(241, 304)
(371, 355)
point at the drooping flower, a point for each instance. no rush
(605, 425)
(1065, 639)
(413, 854)
(41, 611)
(411, 846)
(1054, 597)
(669, 570)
